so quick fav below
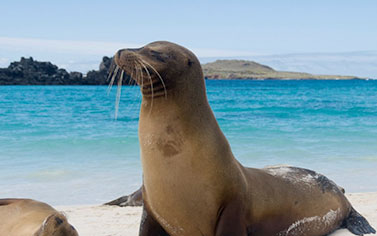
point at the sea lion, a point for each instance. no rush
(192, 183)
(26, 217)
(134, 199)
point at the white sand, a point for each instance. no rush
(117, 221)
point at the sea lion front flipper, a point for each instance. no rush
(357, 224)
(149, 226)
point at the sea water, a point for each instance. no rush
(62, 145)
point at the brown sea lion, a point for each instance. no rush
(26, 217)
(134, 199)
(192, 183)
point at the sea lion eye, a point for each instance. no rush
(189, 62)
(158, 55)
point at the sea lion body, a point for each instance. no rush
(192, 184)
(26, 217)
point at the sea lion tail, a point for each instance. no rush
(357, 224)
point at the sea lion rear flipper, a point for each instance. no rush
(149, 226)
(357, 224)
(134, 199)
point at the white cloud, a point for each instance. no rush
(94, 47)
(62, 46)
(79, 55)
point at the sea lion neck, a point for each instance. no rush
(181, 123)
(187, 93)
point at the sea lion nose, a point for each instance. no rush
(131, 50)
(124, 56)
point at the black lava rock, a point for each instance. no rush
(30, 72)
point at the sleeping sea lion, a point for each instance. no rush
(26, 217)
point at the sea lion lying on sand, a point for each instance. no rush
(26, 217)
(192, 183)
(134, 199)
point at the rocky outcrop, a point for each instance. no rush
(31, 72)
(242, 69)
(99, 77)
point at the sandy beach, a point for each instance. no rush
(92, 220)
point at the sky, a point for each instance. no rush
(76, 34)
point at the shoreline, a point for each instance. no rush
(102, 220)
(28, 71)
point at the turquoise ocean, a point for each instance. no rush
(62, 145)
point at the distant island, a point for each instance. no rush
(28, 71)
(241, 69)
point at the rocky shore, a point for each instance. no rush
(28, 71)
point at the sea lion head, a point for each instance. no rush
(56, 225)
(158, 67)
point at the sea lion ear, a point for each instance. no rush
(42, 229)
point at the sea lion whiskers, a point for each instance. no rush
(119, 90)
(111, 69)
(139, 76)
(130, 80)
(114, 74)
(151, 81)
(146, 70)
(158, 75)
